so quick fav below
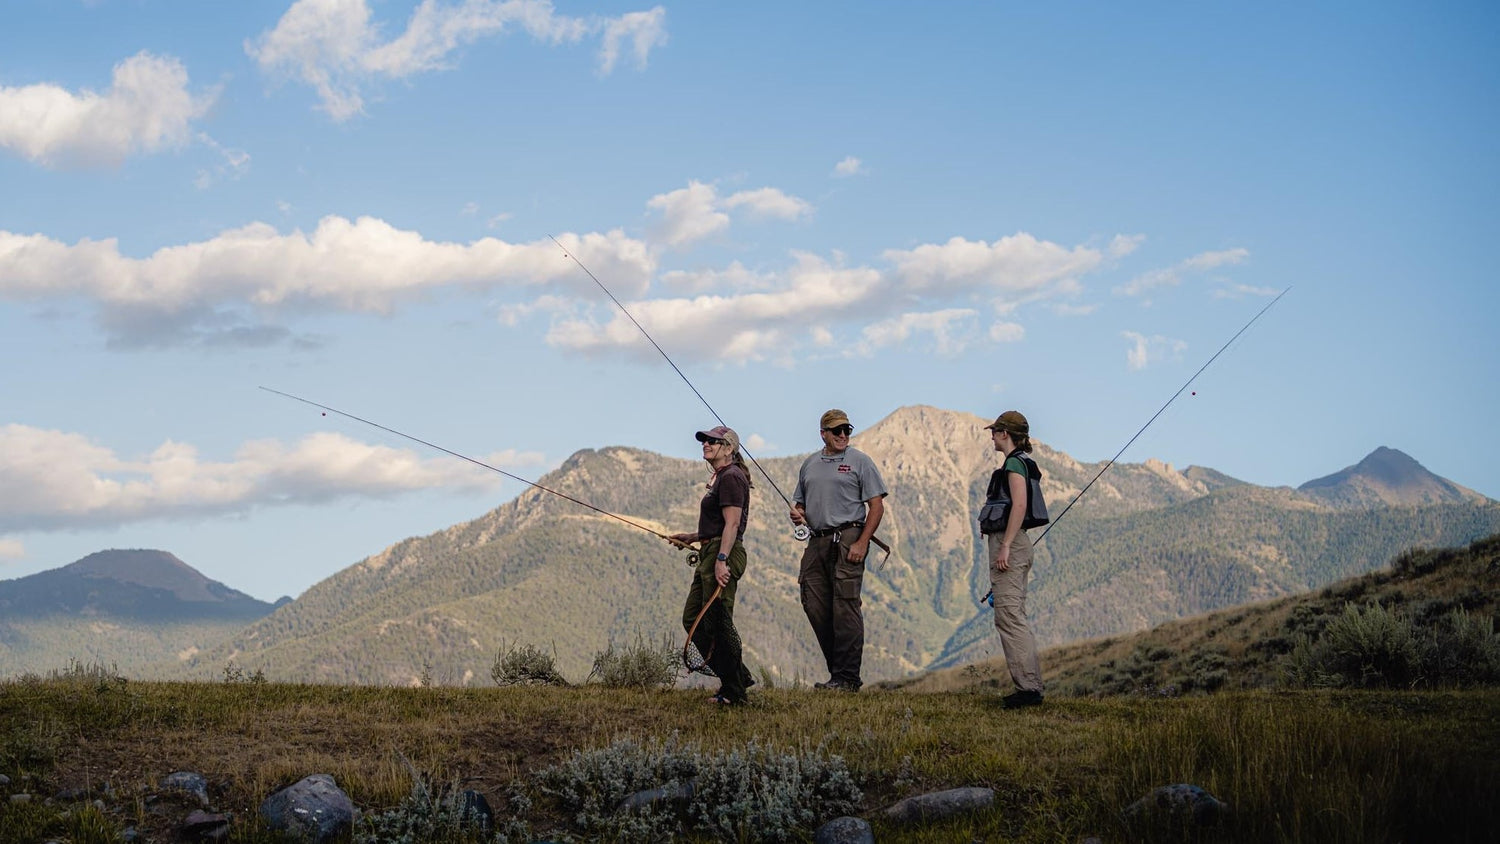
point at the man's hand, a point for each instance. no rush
(798, 515)
(682, 540)
(858, 549)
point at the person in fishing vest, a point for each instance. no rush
(840, 496)
(723, 515)
(1013, 502)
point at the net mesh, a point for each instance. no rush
(712, 635)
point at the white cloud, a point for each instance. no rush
(1239, 291)
(750, 326)
(495, 221)
(1145, 351)
(697, 212)
(770, 202)
(733, 277)
(850, 166)
(644, 30)
(1007, 332)
(1070, 310)
(147, 109)
(946, 327)
(236, 162)
(334, 46)
(1021, 267)
(1122, 245)
(12, 549)
(54, 480)
(1172, 276)
(822, 305)
(179, 294)
(756, 444)
(688, 214)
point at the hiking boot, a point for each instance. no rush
(838, 686)
(1024, 697)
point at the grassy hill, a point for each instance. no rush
(1252, 646)
(1149, 544)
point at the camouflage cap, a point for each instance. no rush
(1012, 422)
(721, 433)
(832, 418)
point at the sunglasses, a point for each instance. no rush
(715, 442)
(841, 430)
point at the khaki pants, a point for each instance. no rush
(1010, 611)
(830, 598)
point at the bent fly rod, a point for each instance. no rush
(580, 503)
(801, 532)
(1159, 412)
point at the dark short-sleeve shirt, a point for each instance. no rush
(729, 488)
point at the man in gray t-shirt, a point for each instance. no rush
(841, 496)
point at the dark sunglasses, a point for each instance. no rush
(842, 430)
(712, 441)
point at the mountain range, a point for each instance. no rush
(128, 608)
(1148, 544)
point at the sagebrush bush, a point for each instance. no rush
(525, 665)
(644, 665)
(1373, 647)
(428, 816)
(754, 793)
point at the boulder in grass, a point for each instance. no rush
(845, 830)
(941, 804)
(205, 826)
(1181, 802)
(314, 809)
(188, 782)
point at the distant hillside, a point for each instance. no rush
(1244, 647)
(131, 608)
(1387, 477)
(1149, 544)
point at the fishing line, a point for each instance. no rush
(801, 532)
(691, 561)
(1159, 412)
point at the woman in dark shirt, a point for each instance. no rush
(722, 517)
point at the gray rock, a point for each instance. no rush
(681, 792)
(314, 808)
(189, 782)
(941, 804)
(205, 826)
(71, 795)
(845, 830)
(1181, 802)
(4, 780)
(20, 798)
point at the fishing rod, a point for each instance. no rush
(601, 511)
(801, 532)
(1159, 412)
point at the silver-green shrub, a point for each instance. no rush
(644, 665)
(427, 816)
(525, 665)
(750, 794)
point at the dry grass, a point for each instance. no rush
(1296, 766)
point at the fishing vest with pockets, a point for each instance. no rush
(996, 511)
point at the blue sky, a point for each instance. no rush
(1064, 210)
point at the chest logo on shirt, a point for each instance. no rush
(845, 467)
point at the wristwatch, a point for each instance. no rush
(722, 557)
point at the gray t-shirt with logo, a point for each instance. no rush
(833, 489)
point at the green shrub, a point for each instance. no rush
(1465, 650)
(643, 665)
(525, 665)
(1364, 648)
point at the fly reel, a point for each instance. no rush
(802, 533)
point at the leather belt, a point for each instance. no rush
(838, 529)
